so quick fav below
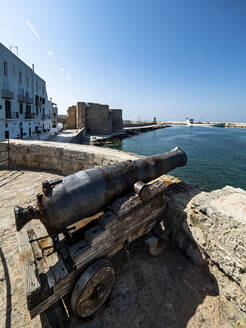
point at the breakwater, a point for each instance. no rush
(130, 131)
(216, 156)
(202, 124)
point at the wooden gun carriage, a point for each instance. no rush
(76, 260)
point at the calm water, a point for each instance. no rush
(216, 156)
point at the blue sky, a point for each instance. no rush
(167, 58)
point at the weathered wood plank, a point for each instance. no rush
(136, 218)
(108, 219)
(41, 265)
(32, 283)
(53, 265)
(67, 287)
(128, 203)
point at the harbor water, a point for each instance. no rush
(216, 156)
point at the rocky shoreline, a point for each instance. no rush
(127, 133)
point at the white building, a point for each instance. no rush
(24, 108)
(53, 116)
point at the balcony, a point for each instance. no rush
(21, 98)
(11, 115)
(29, 100)
(29, 116)
(45, 117)
(7, 94)
(38, 103)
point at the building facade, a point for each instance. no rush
(96, 118)
(24, 108)
(53, 114)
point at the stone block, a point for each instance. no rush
(33, 165)
(211, 229)
(3, 155)
(81, 155)
(47, 150)
(68, 153)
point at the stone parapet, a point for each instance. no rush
(210, 228)
(62, 158)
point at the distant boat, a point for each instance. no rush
(189, 121)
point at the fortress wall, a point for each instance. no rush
(62, 158)
(210, 229)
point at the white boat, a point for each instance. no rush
(189, 121)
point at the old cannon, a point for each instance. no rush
(81, 262)
(85, 193)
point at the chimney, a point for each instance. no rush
(33, 67)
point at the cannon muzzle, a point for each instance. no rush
(85, 193)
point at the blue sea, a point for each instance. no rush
(216, 156)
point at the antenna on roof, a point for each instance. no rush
(15, 48)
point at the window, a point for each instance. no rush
(37, 111)
(42, 90)
(21, 108)
(5, 69)
(7, 106)
(36, 86)
(20, 77)
(27, 82)
(7, 109)
(28, 109)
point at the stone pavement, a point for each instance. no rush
(16, 188)
(64, 136)
(167, 291)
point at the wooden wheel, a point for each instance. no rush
(93, 288)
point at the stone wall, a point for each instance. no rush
(96, 118)
(71, 118)
(81, 115)
(132, 124)
(99, 119)
(210, 228)
(78, 139)
(117, 123)
(63, 158)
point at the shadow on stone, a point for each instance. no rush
(8, 290)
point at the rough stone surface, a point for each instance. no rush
(64, 158)
(166, 291)
(211, 230)
(16, 188)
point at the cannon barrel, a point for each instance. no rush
(85, 193)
